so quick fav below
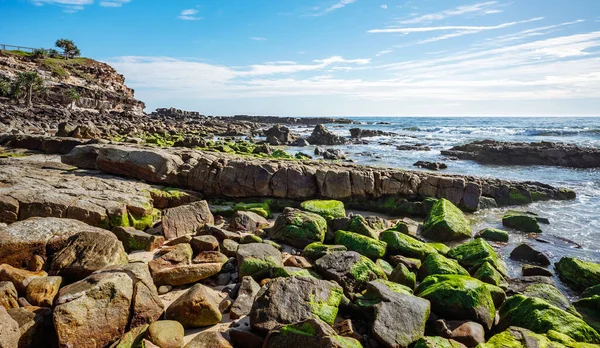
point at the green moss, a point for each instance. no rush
(121, 220)
(589, 308)
(438, 264)
(223, 209)
(259, 208)
(369, 247)
(475, 252)
(550, 294)
(385, 266)
(440, 247)
(294, 272)
(488, 274)
(521, 221)
(14, 155)
(591, 291)
(364, 270)
(578, 273)
(493, 234)
(317, 250)
(144, 222)
(519, 338)
(402, 275)
(516, 197)
(400, 226)
(329, 209)
(257, 268)
(302, 156)
(540, 317)
(359, 224)
(399, 243)
(436, 342)
(299, 228)
(304, 329)
(327, 310)
(446, 222)
(539, 196)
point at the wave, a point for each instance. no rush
(495, 131)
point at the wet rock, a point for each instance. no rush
(349, 269)
(333, 154)
(133, 239)
(258, 260)
(430, 165)
(8, 295)
(322, 136)
(166, 334)
(524, 252)
(186, 219)
(245, 298)
(521, 221)
(369, 247)
(248, 221)
(578, 273)
(298, 228)
(41, 291)
(474, 253)
(416, 147)
(532, 270)
(310, 333)
(290, 300)
(196, 308)
(493, 234)
(487, 273)
(445, 222)
(357, 133)
(279, 135)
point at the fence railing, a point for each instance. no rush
(4, 47)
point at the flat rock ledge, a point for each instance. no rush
(540, 153)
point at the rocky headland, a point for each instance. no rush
(174, 229)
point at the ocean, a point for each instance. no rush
(575, 225)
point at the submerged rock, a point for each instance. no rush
(493, 234)
(522, 221)
(524, 252)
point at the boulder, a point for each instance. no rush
(458, 297)
(402, 244)
(329, 209)
(132, 338)
(550, 294)
(279, 135)
(290, 300)
(322, 136)
(519, 337)
(533, 270)
(589, 309)
(540, 317)
(310, 333)
(93, 312)
(524, 252)
(245, 298)
(18, 277)
(349, 269)
(198, 307)
(468, 333)
(186, 219)
(521, 221)
(133, 239)
(430, 165)
(31, 326)
(358, 224)
(474, 253)
(437, 342)
(41, 291)
(402, 275)
(445, 222)
(9, 330)
(493, 234)
(298, 228)
(317, 250)
(578, 273)
(204, 243)
(175, 267)
(8, 295)
(209, 339)
(258, 260)
(166, 334)
(438, 264)
(248, 221)
(488, 274)
(369, 247)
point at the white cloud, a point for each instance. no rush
(450, 27)
(383, 7)
(481, 8)
(113, 3)
(336, 6)
(381, 53)
(189, 15)
(257, 38)
(72, 6)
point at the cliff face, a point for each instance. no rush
(101, 88)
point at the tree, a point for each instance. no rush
(28, 83)
(69, 48)
(73, 96)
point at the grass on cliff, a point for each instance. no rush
(62, 68)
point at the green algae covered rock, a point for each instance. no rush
(329, 209)
(402, 275)
(401, 227)
(550, 294)
(399, 243)
(369, 247)
(591, 291)
(540, 317)
(288, 271)
(578, 273)
(257, 260)
(493, 234)
(385, 266)
(475, 252)
(298, 228)
(440, 247)
(317, 250)
(438, 264)
(311, 333)
(589, 307)
(521, 221)
(459, 297)
(518, 337)
(262, 209)
(488, 274)
(446, 222)
(436, 342)
(349, 269)
(359, 224)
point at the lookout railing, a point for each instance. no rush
(4, 47)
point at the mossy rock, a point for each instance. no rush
(591, 291)
(436, 342)
(402, 244)
(298, 228)
(493, 234)
(550, 294)
(401, 227)
(440, 247)
(521, 221)
(487, 273)
(329, 209)
(369, 247)
(518, 197)
(261, 209)
(474, 253)
(402, 275)
(540, 317)
(518, 337)
(438, 264)
(578, 273)
(287, 271)
(385, 266)
(446, 222)
(317, 250)
(308, 333)
(349, 269)
(459, 297)
(358, 224)
(257, 260)
(223, 209)
(589, 308)
(144, 222)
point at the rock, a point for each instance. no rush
(329, 209)
(204, 243)
(416, 147)
(400, 243)
(520, 221)
(36, 264)
(166, 334)
(438, 264)
(298, 228)
(209, 339)
(357, 133)
(279, 135)
(94, 311)
(550, 294)
(412, 264)
(261, 208)
(334, 154)
(133, 338)
(540, 316)
(87, 252)
(186, 219)
(41, 291)
(402, 275)
(474, 253)
(300, 142)
(248, 221)
(369, 247)
(322, 136)
(399, 318)
(196, 308)
(246, 293)
(520, 337)
(297, 261)
(179, 240)
(163, 289)
(587, 307)
(578, 273)
(347, 329)
(524, 252)
(536, 153)
(9, 330)
(446, 222)
(290, 300)
(310, 333)
(458, 297)
(8, 295)
(31, 327)
(244, 338)
(493, 234)
(133, 239)
(488, 274)
(468, 333)
(437, 342)
(317, 250)
(349, 269)
(358, 224)
(18, 277)
(258, 260)
(230, 247)
(430, 165)
(175, 267)
(532, 270)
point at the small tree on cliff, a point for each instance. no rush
(28, 83)
(69, 48)
(73, 96)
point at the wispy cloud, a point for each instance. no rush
(449, 27)
(381, 53)
(113, 3)
(189, 15)
(336, 6)
(258, 38)
(383, 6)
(482, 8)
(72, 6)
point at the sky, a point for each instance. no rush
(334, 57)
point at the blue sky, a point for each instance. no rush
(334, 57)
